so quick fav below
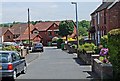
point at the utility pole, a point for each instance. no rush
(29, 27)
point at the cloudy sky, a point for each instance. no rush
(46, 10)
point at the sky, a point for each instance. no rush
(45, 10)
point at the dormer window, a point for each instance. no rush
(35, 32)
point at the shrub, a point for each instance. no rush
(74, 46)
(88, 47)
(114, 50)
(11, 48)
(54, 39)
(59, 42)
(104, 40)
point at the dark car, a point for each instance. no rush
(37, 47)
(11, 63)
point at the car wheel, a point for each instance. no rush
(24, 69)
(42, 50)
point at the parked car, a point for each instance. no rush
(1, 45)
(11, 63)
(37, 47)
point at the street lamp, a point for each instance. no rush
(75, 3)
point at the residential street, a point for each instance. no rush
(54, 63)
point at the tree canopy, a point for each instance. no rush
(83, 27)
(66, 28)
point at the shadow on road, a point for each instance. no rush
(79, 61)
(93, 75)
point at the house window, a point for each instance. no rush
(49, 33)
(8, 36)
(104, 17)
(98, 17)
(14, 36)
(35, 32)
(56, 32)
(99, 36)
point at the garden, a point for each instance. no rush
(104, 58)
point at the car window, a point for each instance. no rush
(15, 57)
(4, 57)
(0, 45)
(38, 44)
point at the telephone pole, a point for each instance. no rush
(29, 27)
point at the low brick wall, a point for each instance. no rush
(86, 57)
(70, 49)
(103, 70)
(95, 56)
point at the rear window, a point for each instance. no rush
(38, 44)
(4, 57)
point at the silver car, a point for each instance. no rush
(11, 63)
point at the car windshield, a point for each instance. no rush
(38, 44)
(4, 57)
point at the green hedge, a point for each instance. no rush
(59, 42)
(104, 41)
(114, 51)
(11, 48)
(88, 47)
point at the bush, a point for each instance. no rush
(114, 50)
(59, 42)
(104, 41)
(88, 47)
(74, 46)
(54, 39)
(11, 48)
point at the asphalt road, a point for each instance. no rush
(54, 63)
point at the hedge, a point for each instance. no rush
(114, 51)
(104, 41)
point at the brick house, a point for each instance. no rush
(6, 35)
(21, 33)
(103, 19)
(113, 16)
(47, 30)
(18, 32)
(20, 28)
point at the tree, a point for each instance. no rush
(83, 27)
(66, 28)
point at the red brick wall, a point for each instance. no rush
(45, 35)
(113, 15)
(7, 35)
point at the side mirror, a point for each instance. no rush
(22, 57)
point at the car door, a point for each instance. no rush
(21, 61)
(16, 62)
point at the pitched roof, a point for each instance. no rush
(3, 30)
(21, 28)
(26, 37)
(116, 1)
(57, 22)
(31, 28)
(104, 5)
(43, 26)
